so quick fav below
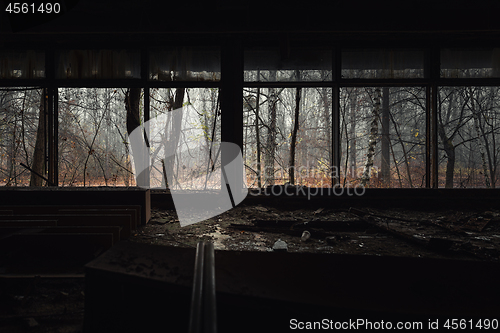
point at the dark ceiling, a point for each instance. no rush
(149, 18)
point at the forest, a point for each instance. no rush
(289, 127)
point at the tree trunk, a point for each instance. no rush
(448, 146)
(271, 133)
(475, 116)
(487, 158)
(328, 126)
(490, 151)
(385, 143)
(173, 133)
(132, 101)
(449, 149)
(373, 139)
(38, 164)
(291, 168)
(352, 130)
(257, 133)
(11, 156)
(405, 155)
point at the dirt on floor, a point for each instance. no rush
(57, 305)
(467, 234)
(39, 305)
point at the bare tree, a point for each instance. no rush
(257, 136)
(269, 157)
(385, 168)
(475, 117)
(291, 165)
(365, 178)
(352, 130)
(38, 165)
(446, 117)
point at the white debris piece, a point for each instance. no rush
(280, 246)
(305, 236)
(31, 322)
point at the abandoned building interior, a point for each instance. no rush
(367, 150)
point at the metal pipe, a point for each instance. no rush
(209, 301)
(195, 316)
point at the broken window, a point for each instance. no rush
(382, 136)
(470, 63)
(98, 64)
(22, 64)
(185, 64)
(469, 136)
(295, 64)
(382, 64)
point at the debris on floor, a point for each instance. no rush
(305, 236)
(41, 304)
(280, 245)
(461, 234)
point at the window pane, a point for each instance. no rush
(469, 134)
(382, 64)
(98, 64)
(399, 146)
(269, 65)
(186, 123)
(20, 109)
(269, 135)
(93, 149)
(22, 65)
(470, 63)
(185, 64)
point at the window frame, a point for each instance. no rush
(232, 64)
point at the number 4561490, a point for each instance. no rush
(31, 8)
(480, 324)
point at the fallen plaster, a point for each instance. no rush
(218, 237)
